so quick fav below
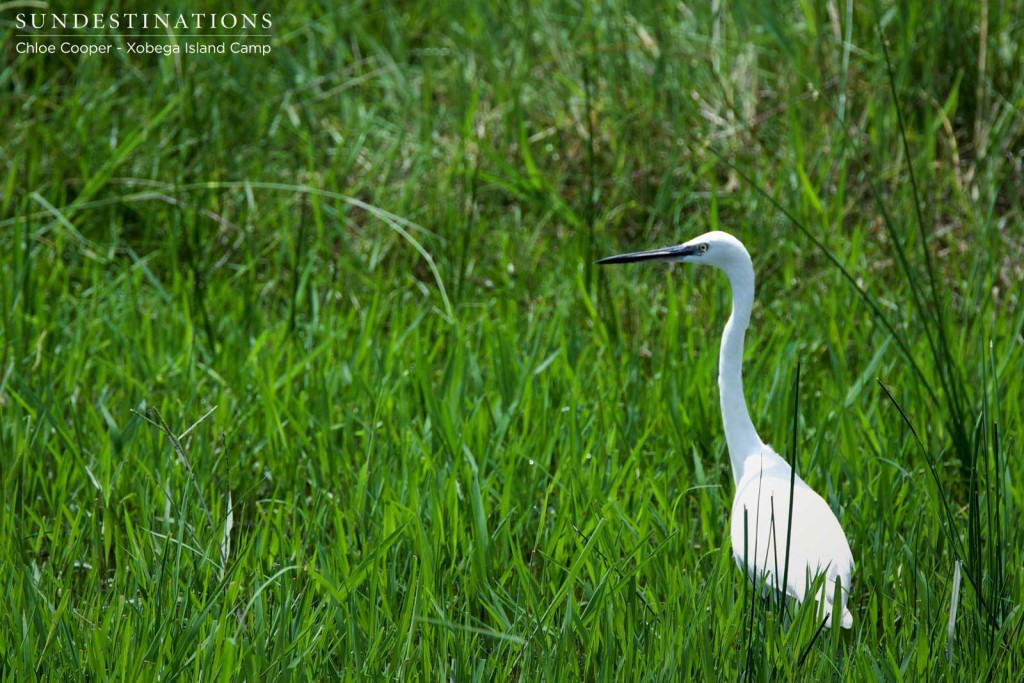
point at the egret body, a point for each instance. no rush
(760, 511)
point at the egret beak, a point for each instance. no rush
(677, 253)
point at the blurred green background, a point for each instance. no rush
(307, 373)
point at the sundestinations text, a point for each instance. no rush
(40, 21)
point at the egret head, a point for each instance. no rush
(716, 248)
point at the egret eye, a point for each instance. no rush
(703, 246)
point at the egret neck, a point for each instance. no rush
(740, 434)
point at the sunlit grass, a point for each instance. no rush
(307, 372)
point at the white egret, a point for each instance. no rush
(760, 511)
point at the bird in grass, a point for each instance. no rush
(768, 492)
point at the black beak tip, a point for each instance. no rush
(612, 260)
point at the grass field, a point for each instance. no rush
(307, 373)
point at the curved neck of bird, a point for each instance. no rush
(740, 434)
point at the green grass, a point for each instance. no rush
(307, 373)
